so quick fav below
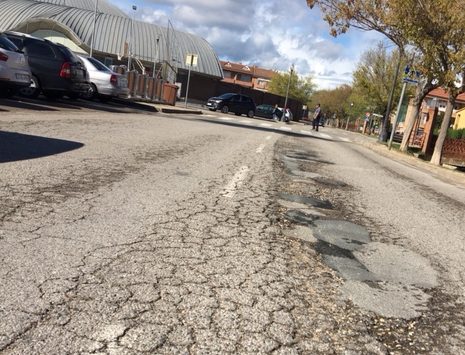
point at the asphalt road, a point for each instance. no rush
(139, 232)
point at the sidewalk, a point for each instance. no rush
(446, 172)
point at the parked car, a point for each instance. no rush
(56, 71)
(104, 83)
(14, 69)
(264, 110)
(237, 103)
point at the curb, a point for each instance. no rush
(181, 111)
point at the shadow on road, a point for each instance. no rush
(26, 105)
(42, 104)
(18, 146)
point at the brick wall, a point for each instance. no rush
(453, 152)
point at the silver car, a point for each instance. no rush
(105, 83)
(14, 68)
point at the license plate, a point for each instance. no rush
(23, 77)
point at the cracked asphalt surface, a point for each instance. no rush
(156, 234)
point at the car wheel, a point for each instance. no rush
(250, 114)
(225, 109)
(91, 93)
(33, 90)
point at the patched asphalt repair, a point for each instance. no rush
(386, 279)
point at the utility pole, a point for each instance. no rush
(383, 133)
(93, 29)
(288, 85)
(134, 7)
(397, 114)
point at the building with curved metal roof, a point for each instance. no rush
(73, 20)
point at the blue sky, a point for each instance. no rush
(273, 34)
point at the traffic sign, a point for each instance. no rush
(191, 60)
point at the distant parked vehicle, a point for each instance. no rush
(56, 71)
(264, 110)
(104, 83)
(14, 69)
(237, 103)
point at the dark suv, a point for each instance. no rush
(237, 103)
(56, 71)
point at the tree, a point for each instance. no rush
(434, 27)
(333, 102)
(300, 88)
(372, 77)
(366, 15)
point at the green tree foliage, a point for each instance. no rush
(434, 28)
(334, 103)
(366, 15)
(300, 88)
(373, 75)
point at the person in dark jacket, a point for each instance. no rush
(316, 117)
(277, 113)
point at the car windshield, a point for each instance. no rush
(99, 65)
(226, 96)
(6, 44)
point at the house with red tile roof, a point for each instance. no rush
(438, 98)
(248, 76)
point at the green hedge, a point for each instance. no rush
(456, 133)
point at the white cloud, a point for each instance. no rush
(269, 33)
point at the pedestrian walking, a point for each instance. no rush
(277, 113)
(316, 117)
(287, 115)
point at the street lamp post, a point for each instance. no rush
(348, 116)
(155, 62)
(288, 85)
(93, 29)
(131, 39)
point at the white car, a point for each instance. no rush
(14, 68)
(105, 83)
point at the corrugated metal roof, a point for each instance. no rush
(112, 32)
(103, 6)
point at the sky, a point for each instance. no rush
(272, 34)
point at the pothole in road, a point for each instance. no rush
(407, 311)
(381, 278)
(345, 235)
(309, 201)
(304, 156)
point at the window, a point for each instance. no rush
(66, 53)
(39, 49)
(244, 77)
(17, 42)
(227, 74)
(108, 61)
(5, 43)
(98, 65)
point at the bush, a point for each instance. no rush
(456, 133)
